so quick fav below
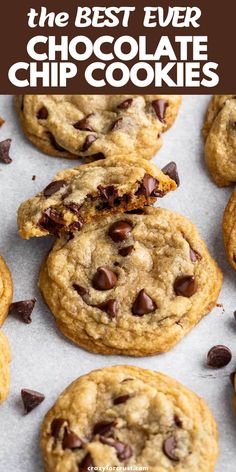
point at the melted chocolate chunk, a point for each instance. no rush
(80, 290)
(86, 464)
(124, 451)
(56, 426)
(76, 226)
(126, 104)
(23, 309)
(185, 286)
(171, 170)
(104, 279)
(147, 186)
(83, 125)
(110, 307)
(169, 446)
(89, 140)
(53, 187)
(54, 143)
(31, 399)
(121, 399)
(42, 113)
(143, 304)
(117, 124)
(135, 211)
(73, 207)
(4, 151)
(109, 193)
(51, 221)
(120, 231)
(160, 109)
(103, 427)
(126, 251)
(71, 440)
(219, 356)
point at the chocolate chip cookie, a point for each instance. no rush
(79, 195)
(5, 358)
(130, 284)
(124, 416)
(229, 229)
(220, 134)
(97, 126)
(6, 290)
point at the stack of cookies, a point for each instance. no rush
(220, 150)
(123, 277)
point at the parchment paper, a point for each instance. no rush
(43, 359)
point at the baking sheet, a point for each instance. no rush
(43, 359)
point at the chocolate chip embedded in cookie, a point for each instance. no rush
(129, 284)
(5, 358)
(6, 290)
(157, 423)
(97, 126)
(80, 195)
(220, 133)
(229, 230)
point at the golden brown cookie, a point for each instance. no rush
(229, 229)
(124, 416)
(77, 196)
(5, 358)
(97, 126)
(131, 284)
(220, 134)
(6, 290)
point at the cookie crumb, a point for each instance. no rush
(2, 121)
(4, 151)
(33, 177)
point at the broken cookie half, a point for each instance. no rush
(77, 196)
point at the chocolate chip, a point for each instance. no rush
(135, 211)
(126, 251)
(219, 356)
(143, 304)
(76, 226)
(71, 440)
(160, 109)
(42, 113)
(23, 309)
(80, 290)
(4, 151)
(104, 279)
(178, 421)
(194, 255)
(185, 286)
(124, 451)
(33, 177)
(121, 399)
(89, 140)
(148, 186)
(117, 124)
(53, 187)
(126, 104)
(56, 426)
(120, 230)
(83, 124)
(169, 446)
(110, 193)
(54, 143)
(74, 207)
(86, 464)
(103, 427)
(31, 399)
(172, 172)
(110, 307)
(51, 221)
